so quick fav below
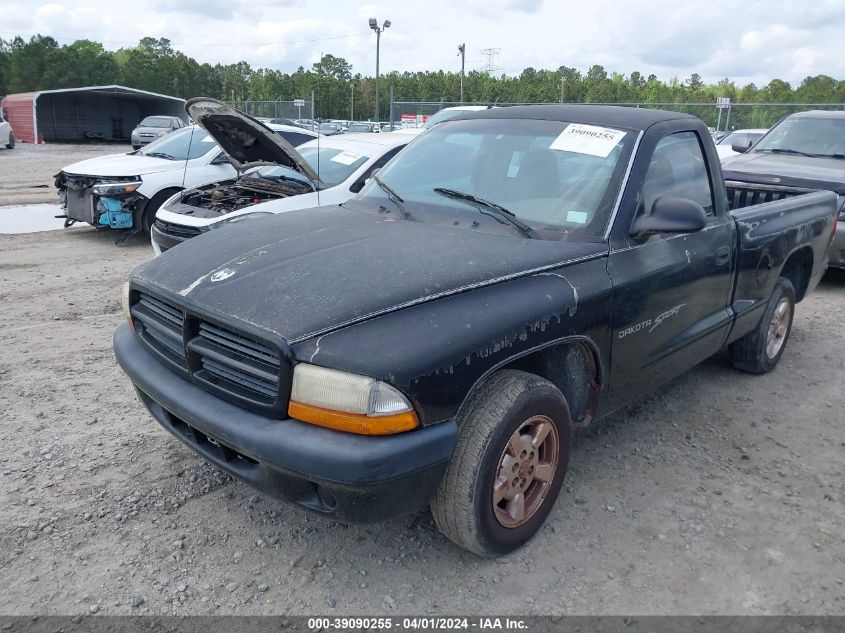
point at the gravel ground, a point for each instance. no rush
(26, 172)
(722, 493)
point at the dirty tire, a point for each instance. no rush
(11, 143)
(463, 505)
(751, 353)
(151, 208)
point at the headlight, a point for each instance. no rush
(115, 188)
(162, 133)
(124, 302)
(349, 402)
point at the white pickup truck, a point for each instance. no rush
(7, 139)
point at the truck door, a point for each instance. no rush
(671, 291)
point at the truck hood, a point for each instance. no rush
(305, 273)
(122, 165)
(787, 170)
(246, 141)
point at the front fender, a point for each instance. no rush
(437, 351)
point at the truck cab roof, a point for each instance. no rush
(613, 116)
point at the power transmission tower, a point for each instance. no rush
(490, 55)
(462, 50)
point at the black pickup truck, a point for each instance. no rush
(510, 275)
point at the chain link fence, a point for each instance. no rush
(278, 109)
(734, 117)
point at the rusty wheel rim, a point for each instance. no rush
(526, 471)
(778, 327)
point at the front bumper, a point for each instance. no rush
(348, 477)
(837, 249)
(166, 235)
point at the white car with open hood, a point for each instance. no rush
(124, 191)
(273, 176)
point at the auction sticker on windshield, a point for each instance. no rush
(345, 158)
(587, 139)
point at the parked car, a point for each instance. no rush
(508, 277)
(363, 127)
(329, 129)
(153, 127)
(325, 171)
(124, 191)
(803, 152)
(443, 115)
(738, 142)
(7, 138)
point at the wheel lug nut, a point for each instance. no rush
(523, 454)
(515, 467)
(531, 470)
(515, 482)
(531, 455)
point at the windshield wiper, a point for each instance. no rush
(280, 178)
(838, 155)
(160, 155)
(782, 150)
(394, 197)
(500, 211)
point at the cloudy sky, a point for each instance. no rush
(747, 40)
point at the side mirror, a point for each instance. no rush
(221, 159)
(671, 215)
(741, 148)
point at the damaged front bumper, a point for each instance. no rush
(345, 476)
(101, 202)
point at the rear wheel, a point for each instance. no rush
(508, 466)
(11, 143)
(759, 351)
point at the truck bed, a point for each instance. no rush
(746, 194)
(767, 233)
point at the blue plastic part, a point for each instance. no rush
(114, 214)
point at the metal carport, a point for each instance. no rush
(78, 114)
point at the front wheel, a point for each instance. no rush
(11, 143)
(508, 465)
(759, 351)
(149, 215)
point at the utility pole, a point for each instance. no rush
(462, 49)
(352, 103)
(374, 26)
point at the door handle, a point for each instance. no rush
(723, 255)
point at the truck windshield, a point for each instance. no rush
(816, 136)
(558, 178)
(184, 144)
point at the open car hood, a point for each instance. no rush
(247, 142)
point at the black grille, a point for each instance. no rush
(742, 195)
(177, 230)
(232, 364)
(235, 363)
(160, 325)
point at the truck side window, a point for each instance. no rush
(678, 169)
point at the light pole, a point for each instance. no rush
(462, 49)
(374, 26)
